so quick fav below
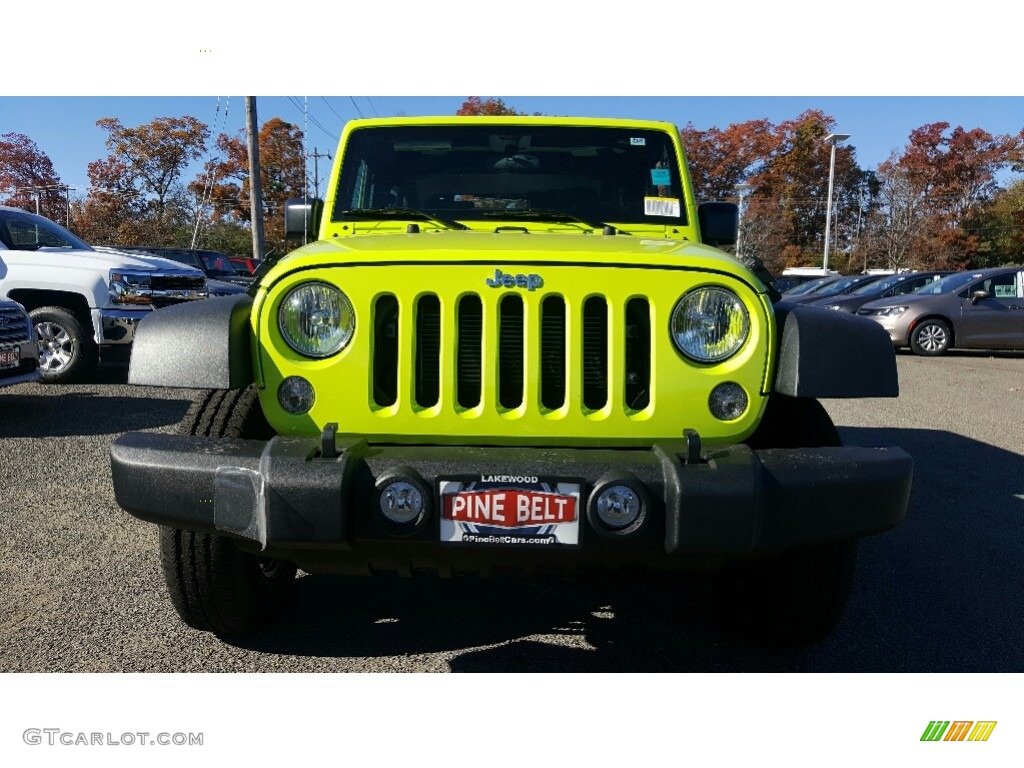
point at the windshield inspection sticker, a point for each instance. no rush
(661, 206)
(661, 177)
(638, 141)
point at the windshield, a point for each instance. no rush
(948, 284)
(26, 232)
(577, 176)
(878, 286)
(217, 264)
(810, 285)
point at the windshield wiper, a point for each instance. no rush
(541, 214)
(402, 213)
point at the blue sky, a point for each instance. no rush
(65, 127)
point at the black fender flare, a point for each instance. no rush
(824, 353)
(200, 345)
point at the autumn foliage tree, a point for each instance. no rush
(24, 166)
(136, 193)
(475, 105)
(225, 185)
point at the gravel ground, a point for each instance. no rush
(80, 589)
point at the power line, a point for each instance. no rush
(353, 100)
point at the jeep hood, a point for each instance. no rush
(511, 247)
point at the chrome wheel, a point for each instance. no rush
(56, 347)
(932, 337)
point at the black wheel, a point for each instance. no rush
(67, 351)
(931, 337)
(214, 585)
(796, 597)
(794, 422)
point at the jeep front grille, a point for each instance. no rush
(562, 341)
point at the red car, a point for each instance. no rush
(246, 262)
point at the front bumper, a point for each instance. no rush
(897, 327)
(283, 498)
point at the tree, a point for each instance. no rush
(950, 175)
(721, 159)
(475, 105)
(225, 185)
(136, 196)
(24, 165)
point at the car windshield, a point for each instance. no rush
(217, 265)
(809, 286)
(878, 286)
(948, 284)
(837, 287)
(578, 177)
(27, 232)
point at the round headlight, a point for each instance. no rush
(316, 320)
(710, 324)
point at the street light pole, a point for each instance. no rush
(741, 189)
(833, 139)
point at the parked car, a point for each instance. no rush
(84, 302)
(19, 356)
(839, 287)
(892, 285)
(214, 264)
(983, 309)
(246, 264)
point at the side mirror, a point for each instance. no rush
(302, 217)
(719, 223)
(978, 295)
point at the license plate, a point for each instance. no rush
(510, 510)
(10, 357)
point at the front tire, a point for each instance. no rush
(213, 585)
(796, 597)
(66, 352)
(931, 338)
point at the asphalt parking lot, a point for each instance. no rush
(80, 588)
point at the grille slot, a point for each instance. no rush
(469, 351)
(13, 326)
(177, 283)
(510, 351)
(637, 356)
(595, 353)
(385, 351)
(552, 352)
(428, 351)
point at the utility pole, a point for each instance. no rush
(316, 155)
(255, 187)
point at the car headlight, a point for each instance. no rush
(886, 311)
(130, 287)
(316, 320)
(833, 307)
(710, 324)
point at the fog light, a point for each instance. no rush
(401, 502)
(296, 395)
(618, 506)
(728, 401)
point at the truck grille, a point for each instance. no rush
(177, 283)
(528, 339)
(14, 325)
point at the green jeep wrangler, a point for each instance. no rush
(513, 347)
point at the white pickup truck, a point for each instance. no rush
(84, 303)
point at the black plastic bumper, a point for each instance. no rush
(286, 499)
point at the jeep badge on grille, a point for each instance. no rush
(531, 282)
